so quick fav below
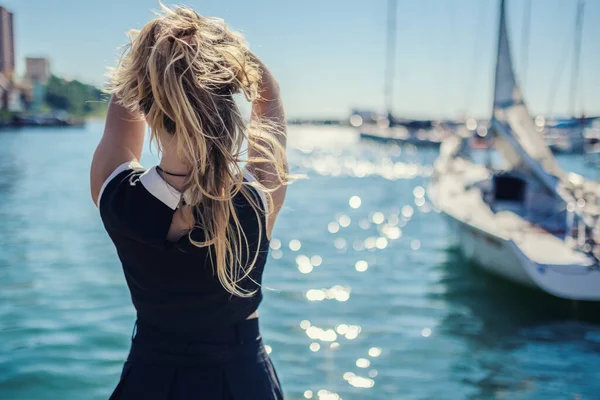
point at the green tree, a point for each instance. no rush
(75, 97)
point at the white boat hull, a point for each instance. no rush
(505, 244)
(490, 253)
(504, 259)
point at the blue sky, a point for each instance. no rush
(328, 55)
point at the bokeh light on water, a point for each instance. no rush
(365, 297)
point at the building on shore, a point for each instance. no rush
(37, 69)
(7, 59)
(37, 74)
(7, 43)
(12, 93)
(5, 88)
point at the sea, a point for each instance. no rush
(366, 296)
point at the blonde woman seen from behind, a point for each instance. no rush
(192, 233)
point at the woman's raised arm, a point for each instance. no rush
(122, 141)
(269, 108)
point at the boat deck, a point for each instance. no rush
(540, 246)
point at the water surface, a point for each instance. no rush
(366, 298)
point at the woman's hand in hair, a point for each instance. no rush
(268, 86)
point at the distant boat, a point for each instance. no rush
(529, 222)
(566, 136)
(592, 142)
(401, 135)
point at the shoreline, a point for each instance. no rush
(42, 121)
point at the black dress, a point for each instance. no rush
(192, 338)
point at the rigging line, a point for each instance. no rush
(581, 97)
(558, 72)
(448, 65)
(475, 66)
(576, 57)
(526, 32)
(392, 12)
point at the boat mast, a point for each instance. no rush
(392, 12)
(498, 52)
(491, 137)
(576, 57)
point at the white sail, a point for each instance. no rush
(517, 139)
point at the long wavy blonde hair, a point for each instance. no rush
(182, 71)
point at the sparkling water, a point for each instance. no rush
(365, 295)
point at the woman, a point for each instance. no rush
(193, 232)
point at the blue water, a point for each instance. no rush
(362, 303)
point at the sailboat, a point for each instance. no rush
(567, 135)
(389, 128)
(529, 222)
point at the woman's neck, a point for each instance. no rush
(170, 163)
